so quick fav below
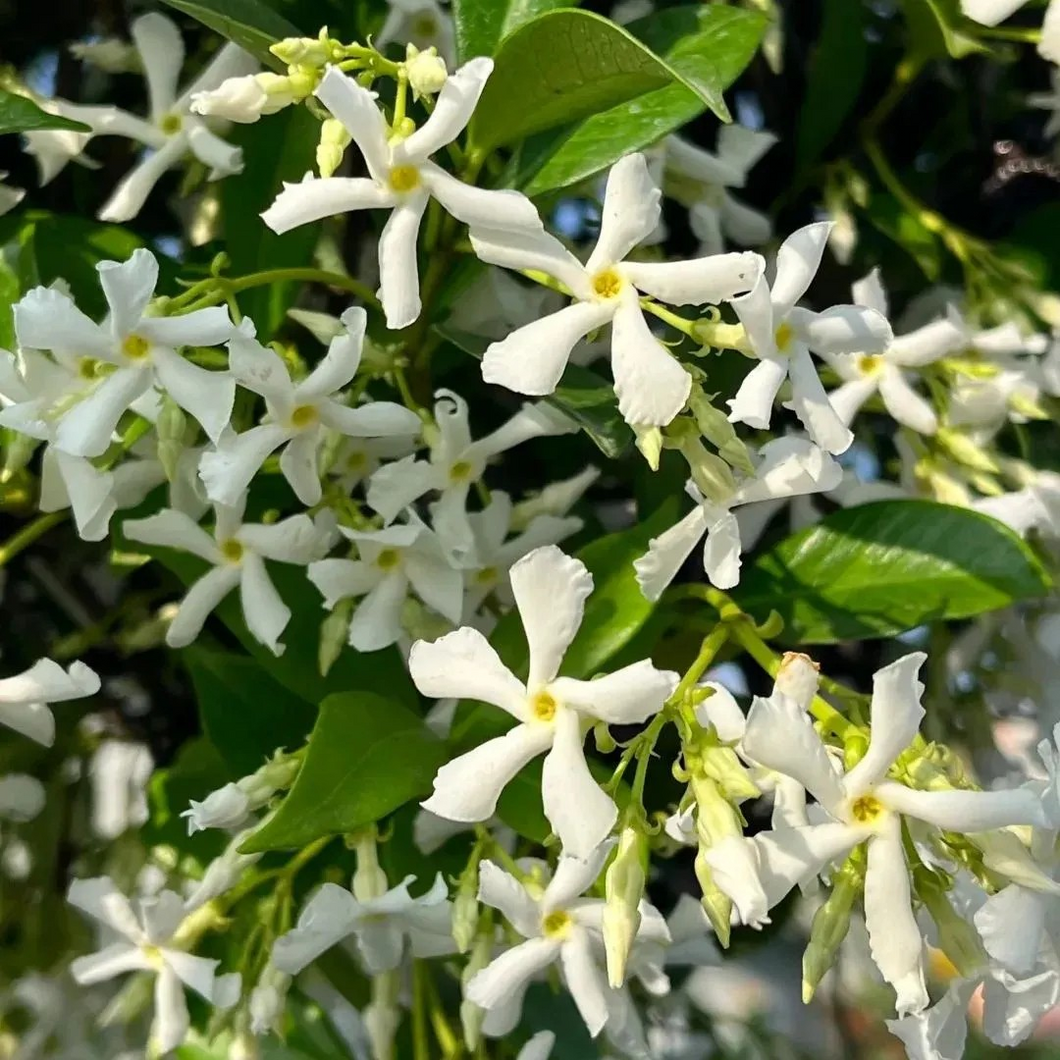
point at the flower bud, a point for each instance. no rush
(222, 874)
(244, 1046)
(958, 939)
(964, 450)
(111, 55)
(267, 1000)
(426, 70)
(334, 635)
(557, 498)
(471, 1016)
(238, 99)
(334, 139)
(797, 678)
(709, 472)
(716, 904)
(313, 51)
(623, 891)
(227, 807)
(382, 1016)
(465, 914)
(716, 428)
(649, 441)
(170, 427)
(830, 925)
(369, 881)
(723, 766)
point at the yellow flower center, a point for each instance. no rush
(404, 178)
(232, 550)
(304, 416)
(86, 368)
(486, 576)
(870, 363)
(388, 559)
(135, 347)
(153, 955)
(460, 471)
(356, 461)
(424, 26)
(866, 809)
(171, 124)
(556, 925)
(543, 706)
(607, 284)
(784, 335)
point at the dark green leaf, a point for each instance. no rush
(482, 24)
(882, 568)
(278, 148)
(367, 756)
(837, 72)
(244, 712)
(936, 29)
(19, 114)
(563, 66)
(718, 43)
(249, 23)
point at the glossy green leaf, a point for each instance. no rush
(482, 24)
(563, 66)
(882, 568)
(251, 24)
(367, 756)
(19, 114)
(937, 29)
(711, 45)
(276, 149)
(244, 712)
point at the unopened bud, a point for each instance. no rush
(466, 908)
(471, 1016)
(382, 1015)
(426, 71)
(830, 925)
(716, 904)
(267, 1000)
(958, 938)
(111, 55)
(797, 678)
(314, 51)
(965, 451)
(244, 1046)
(369, 881)
(334, 139)
(557, 498)
(649, 442)
(709, 472)
(334, 635)
(623, 891)
(723, 766)
(170, 427)
(243, 99)
(716, 428)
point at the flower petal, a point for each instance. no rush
(532, 358)
(963, 811)
(479, 207)
(753, 403)
(790, 857)
(128, 198)
(717, 278)
(651, 385)
(926, 344)
(198, 603)
(894, 938)
(226, 471)
(550, 590)
(87, 428)
(574, 876)
(847, 398)
(326, 919)
(585, 980)
(436, 583)
(905, 404)
(298, 464)
(339, 365)
(295, 539)
(356, 108)
(452, 111)
(315, 198)
(721, 710)
(171, 1022)
(508, 973)
(161, 49)
(667, 553)
(722, 547)
(376, 623)
(395, 486)
(895, 720)
(172, 529)
(87, 491)
(810, 402)
(129, 285)
(625, 697)
(938, 1033)
(264, 612)
(1011, 924)
(399, 282)
(631, 212)
(755, 311)
(734, 868)
(101, 900)
(790, 466)
(208, 396)
(116, 959)
(503, 892)
(798, 260)
(842, 329)
(580, 813)
(340, 579)
(527, 248)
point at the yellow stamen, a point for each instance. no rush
(460, 471)
(232, 550)
(388, 559)
(486, 576)
(135, 347)
(404, 178)
(784, 335)
(867, 808)
(607, 284)
(543, 706)
(86, 367)
(171, 124)
(556, 925)
(304, 416)
(870, 363)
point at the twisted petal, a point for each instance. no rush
(722, 547)
(480, 207)
(734, 867)
(378, 419)
(161, 49)
(264, 612)
(938, 1033)
(295, 539)
(716, 278)
(667, 553)
(790, 857)
(811, 405)
(340, 363)
(1011, 923)
(298, 463)
(631, 212)
(340, 579)
(585, 980)
(905, 404)
(173, 529)
(377, 621)
(436, 583)
(208, 396)
(574, 876)
(315, 198)
(527, 248)
(357, 110)
(101, 900)
(926, 344)
(501, 891)
(870, 293)
(227, 470)
(395, 486)
(198, 603)
(87, 428)
(399, 282)
(632, 694)
(510, 972)
(46, 319)
(847, 398)
(202, 327)
(753, 403)
(326, 919)
(452, 111)
(129, 285)
(798, 260)
(129, 196)
(964, 811)
(222, 158)
(116, 959)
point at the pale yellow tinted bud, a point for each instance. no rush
(623, 890)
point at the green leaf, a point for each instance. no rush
(563, 66)
(586, 397)
(251, 24)
(245, 713)
(367, 756)
(882, 568)
(19, 114)
(279, 148)
(482, 24)
(837, 72)
(935, 29)
(719, 43)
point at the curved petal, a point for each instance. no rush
(479, 207)
(356, 108)
(753, 403)
(198, 973)
(467, 788)
(847, 398)
(721, 710)
(208, 396)
(926, 344)
(46, 319)
(463, 665)
(227, 470)
(625, 697)
(574, 876)
(199, 601)
(894, 938)
(940, 1032)
(201, 327)
(171, 1022)
(585, 980)
(508, 974)
(667, 553)
(539, 1047)
(376, 623)
(532, 358)
(295, 539)
(339, 365)
(129, 285)
(842, 329)
(172, 529)
(326, 919)
(905, 404)
(264, 612)
(298, 463)
(503, 892)
(161, 49)
(452, 111)
(787, 467)
(798, 260)
(743, 224)
(755, 311)
(86, 430)
(722, 548)
(963, 811)
(580, 813)
(340, 579)
(129, 196)
(437, 584)
(1012, 1007)
(550, 590)
(1011, 924)
(697, 281)
(631, 211)
(259, 368)
(378, 419)
(532, 249)
(535, 420)
(101, 900)
(395, 486)
(88, 491)
(651, 385)
(790, 857)
(810, 403)
(315, 198)
(734, 868)
(116, 959)
(895, 720)
(399, 281)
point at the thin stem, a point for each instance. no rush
(421, 1046)
(307, 275)
(675, 321)
(29, 533)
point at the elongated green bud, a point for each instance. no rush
(716, 428)
(334, 139)
(723, 766)
(958, 938)
(471, 1016)
(830, 925)
(334, 635)
(369, 881)
(623, 890)
(170, 427)
(964, 450)
(382, 1015)
(716, 904)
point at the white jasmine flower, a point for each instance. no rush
(297, 414)
(651, 385)
(9, 197)
(119, 773)
(865, 374)
(455, 464)
(52, 149)
(24, 697)
(699, 179)
(147, 929)
(786, 467)
(392, 561)
(237, 553)
(862, 806)
(782, 336)
(423, 22)
(560, 927)
(991, 12)
(557, 498)
(539, 1047)
(496, 303)
(267, 1002)
(380, 925)
(124, 357)
(402, 178)
(1049, 101)
(21, 797)
(553, 713)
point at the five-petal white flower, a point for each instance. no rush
(553, 712)
(126, 355)
(24, 697)
(651, 385)
(787, 467)
(782, 335)
(237, 552)
(148, 945)
(297, 414)
(402, 179)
